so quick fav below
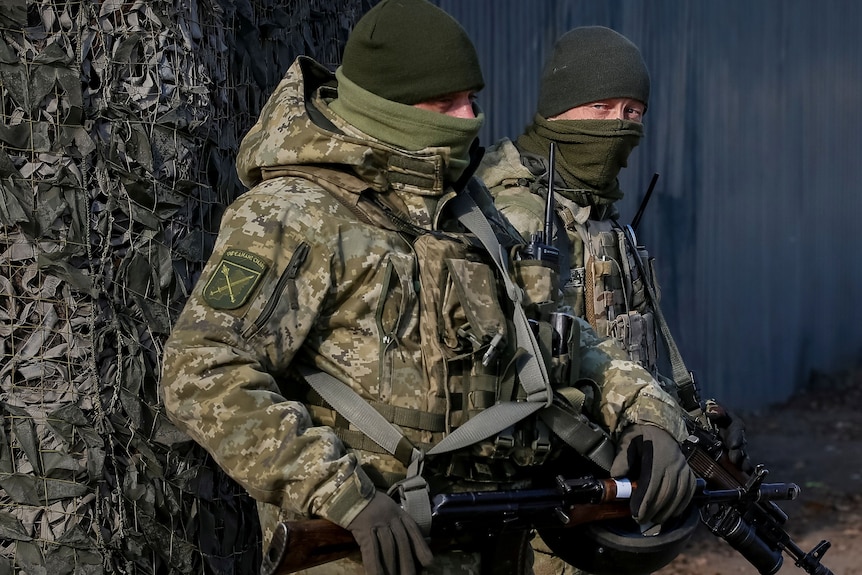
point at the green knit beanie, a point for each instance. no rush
(589, 64)
(410, 51)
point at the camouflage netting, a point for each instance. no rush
(120, 121)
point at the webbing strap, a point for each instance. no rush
(581, 434)
(413, 490)
(532, 372)
(356, 439)
(574, 396)
(357, 411)
(400, 416)
(680, 373)
(415, 498)
(488, 422)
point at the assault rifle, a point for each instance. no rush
(753, 528)
(743, 513)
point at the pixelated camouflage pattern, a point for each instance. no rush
(629, 393)
(347, 305)
(603, 284)
(509, 182)
(546, 563)
(351, 307)
(505, 176)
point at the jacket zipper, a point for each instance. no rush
(286, 281)
(387, 339)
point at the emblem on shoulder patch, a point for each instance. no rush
(234, 280)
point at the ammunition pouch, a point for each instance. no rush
(636, 334)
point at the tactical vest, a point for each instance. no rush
(602, 281)
(605, 282)
(469, 353)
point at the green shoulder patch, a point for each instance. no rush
(234, 280)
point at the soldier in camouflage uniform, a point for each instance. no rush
(593, 97)
(345, 259)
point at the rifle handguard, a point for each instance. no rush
(753, 524)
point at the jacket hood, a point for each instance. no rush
(501, 165)
(296, 128)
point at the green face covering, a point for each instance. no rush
(405, 126)
(590, 153)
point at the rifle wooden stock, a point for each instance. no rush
(302, 544)
(298, 545)
(580, 514)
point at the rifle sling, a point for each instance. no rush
(682, 377)
(413, 490)
(570, 425)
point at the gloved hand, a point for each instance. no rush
(665, 483)
(731, 429)
(390, 541)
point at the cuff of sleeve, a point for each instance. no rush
(349, 499)
(652, 408)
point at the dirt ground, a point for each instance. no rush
(815, 441)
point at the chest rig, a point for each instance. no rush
(503, 369)
(606, 277)
(607, 281)
(611, 282)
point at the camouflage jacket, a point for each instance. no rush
(300, 276)
(605, 272)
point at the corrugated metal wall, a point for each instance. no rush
(754, 128)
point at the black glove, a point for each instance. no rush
(731, 429)
(665, 483)
(390, 541)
